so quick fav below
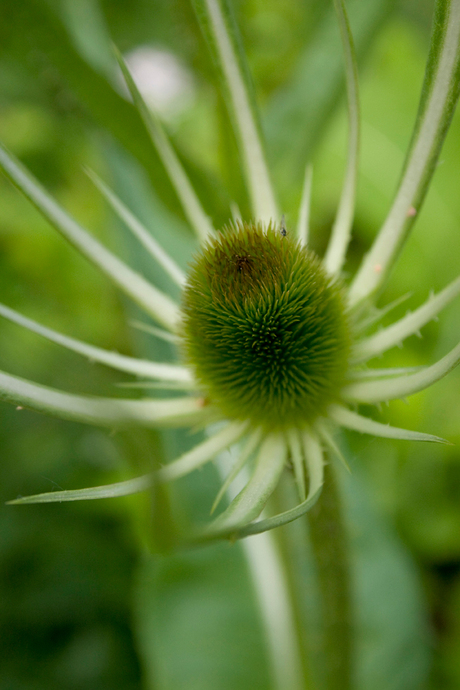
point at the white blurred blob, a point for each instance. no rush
(165, 84)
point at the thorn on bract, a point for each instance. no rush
(411, 212)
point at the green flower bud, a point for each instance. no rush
(265, 328)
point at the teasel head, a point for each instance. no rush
(272, 341)
(265, 328)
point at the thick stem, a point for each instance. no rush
(277, 608)
(329, 542)
(277, 611)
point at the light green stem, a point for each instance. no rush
(277, 611)
(329, 542)
(270, 580)
(439, 98)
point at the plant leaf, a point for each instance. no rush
(440, 94)
(139, 231)
(244, 454)
(132, 365)
(303, 224)
(341, 230)
(250, 501)
(379, 391)
(393, 335)
(220, 30)
(297, 462)
(44, 33)
(156, 303)
(301, 110)
(364, 425)
(126, 488)
(188, 198)
(202, 453)
(111, 412)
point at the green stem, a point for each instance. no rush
(270, 578)
(440, 93)
(329, 542)
(277, 611)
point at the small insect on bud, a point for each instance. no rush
(283, 230)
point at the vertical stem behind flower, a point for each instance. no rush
(329, 541)
(276, 609)
(341, 230)
(274, 598)
(440, 94)
(220, 30)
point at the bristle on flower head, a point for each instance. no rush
(265, 328)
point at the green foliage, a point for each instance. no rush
(66, 581)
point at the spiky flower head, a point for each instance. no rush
(271, 345)
(265, 328)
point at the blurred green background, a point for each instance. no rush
(77, 580)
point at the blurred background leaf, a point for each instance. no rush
(71, 576)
